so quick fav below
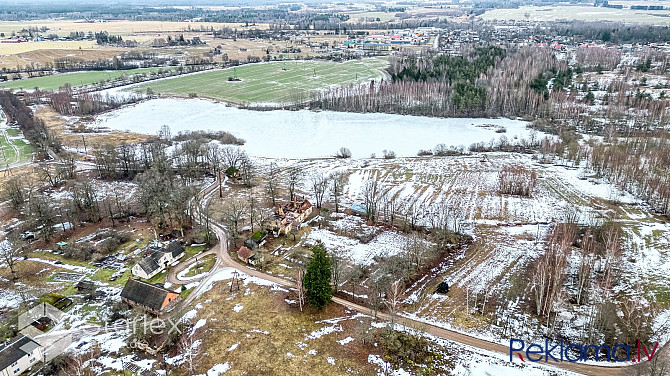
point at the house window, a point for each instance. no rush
(15, 363)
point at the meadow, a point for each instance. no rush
(13, 148)
(74, 79)
(275, 82)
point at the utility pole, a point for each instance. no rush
(220, 188)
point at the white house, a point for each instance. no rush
(18, 355)
(155, 259)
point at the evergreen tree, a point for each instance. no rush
(317, 278)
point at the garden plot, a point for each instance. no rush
(66, 277)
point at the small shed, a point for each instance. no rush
(443, 288)
(86, 287)
(256, 240)
(244, 254)
(359, 209)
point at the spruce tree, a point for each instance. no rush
(317, 278)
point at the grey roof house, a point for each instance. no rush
(155, 259)
(151, 298)
(19, 355)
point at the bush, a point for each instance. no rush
(113, 241)
(206, 136)
(442, 150)
(424, 153)
(343, 153)
(80, 251)
(517, 180)
(389, 154)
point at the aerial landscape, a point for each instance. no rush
(217, 187)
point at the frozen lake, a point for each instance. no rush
(308, 134)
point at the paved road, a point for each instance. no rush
(224, 259)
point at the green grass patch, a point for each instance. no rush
(71, 289)
(103, 275)
(202, 266)
(75, 79)
(50, 298)
(121, 281)
(158, 278)
(185, 293)
(275, 82)
(61, 258)
(190, 251)
(258, 235)
(14, 150)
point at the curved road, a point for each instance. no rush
(224, 259)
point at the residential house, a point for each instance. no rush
(289, 216)
(256, 240)
(155, 259)
(247, 255)
(19, 355)
(151, 298)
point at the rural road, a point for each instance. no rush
(224, 259)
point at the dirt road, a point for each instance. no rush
(224, 259)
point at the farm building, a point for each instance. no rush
(149, 297)
(256, 240)
(247, 255)
(155, 259)
(289, 216)
(18, 355)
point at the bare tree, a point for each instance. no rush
(338, 183)
(232, 216)
(247, 171)
(13, 192)
(300, 289)
(371, 198)
(190, 348)
(343, 153)
(272, 183)
(586, 266)
(336, 269)
(393, 300)
(79, 364)
(319, 188)
(295, 175)
(10, 253)
(549, 269)
(233, 156)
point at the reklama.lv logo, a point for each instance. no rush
(575, 353)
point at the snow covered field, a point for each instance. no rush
(511, 230)
(308, 134)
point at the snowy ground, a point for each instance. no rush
(510, 228)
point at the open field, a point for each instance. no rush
(14, 149)
(65, 27)
(75, 79)
(43, 53)
(508, 231)
(580, 13)
(274, 82)
(63, 128)
(366, 16)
